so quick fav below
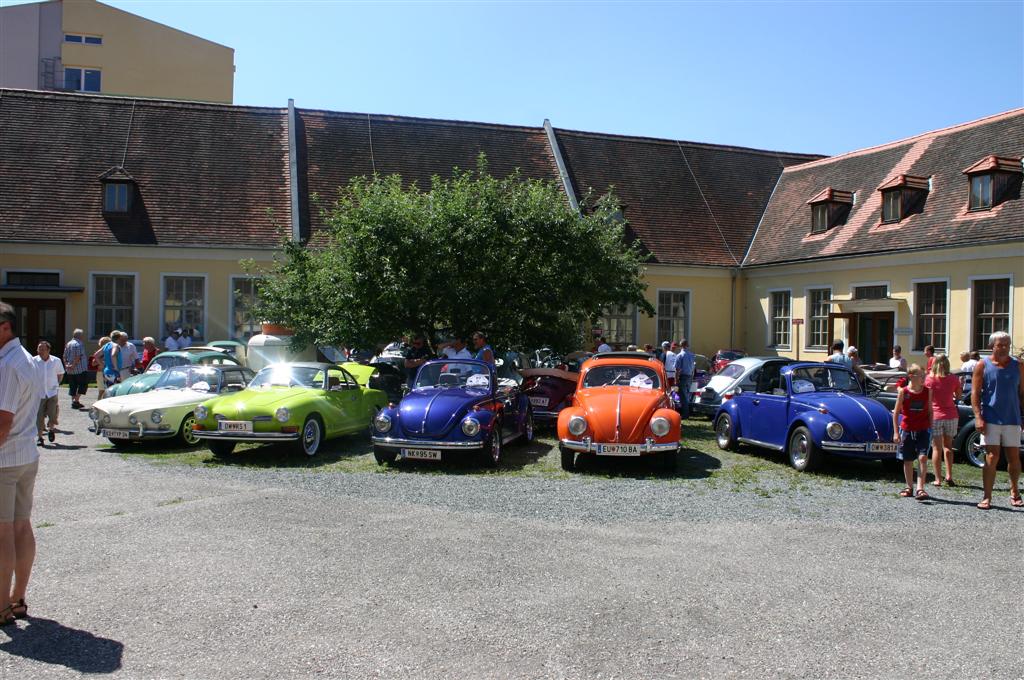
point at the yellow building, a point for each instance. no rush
(913, 243)
(86, 46)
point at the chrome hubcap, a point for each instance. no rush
(311, 437)
(529, 427)
(723, 432)
(496, 446)
(798, 450)
(975, 451)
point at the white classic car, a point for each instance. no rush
(167, 410)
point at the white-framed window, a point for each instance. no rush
(618, 325)
(184, 305)
(82, 79)
(113, 304)
(673, 315)
(818, 308)
(244, 294)
(930, 309)
(991, 304)
(779, 307)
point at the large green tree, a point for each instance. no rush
(508, 256)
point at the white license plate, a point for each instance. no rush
(235, 426)
(618, 449)
(421, 454)
(883, 448)
(116, 434)
(538, 401)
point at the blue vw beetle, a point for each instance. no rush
(456, 405)
(806, 409)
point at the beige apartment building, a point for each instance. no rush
(86, 46)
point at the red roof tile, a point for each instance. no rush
(206, 174)
(784, 233)
(688, 203)
(995, 163)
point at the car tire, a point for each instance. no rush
(384, 456)
(725, 433)
(311, 436)
(221, 449)
(490, 456)
(185, 434)
(971, 449)
(568, 458)
(804, 454)
(528, 430)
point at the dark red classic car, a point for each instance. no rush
(549, 390)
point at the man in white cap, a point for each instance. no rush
(173, 341)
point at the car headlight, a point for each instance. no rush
(382, 422)
(282, 414)
(106, 419)
(133, 420)
(835, 430)
(577, 425)
(94, 414)
(156, 416)
(660, 426)
(470, 427)
(201, 412)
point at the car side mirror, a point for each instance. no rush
(737, 390)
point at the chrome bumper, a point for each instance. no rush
(546, 414)
(856, 447)
(247, 436)
(136, 433)
(587, 445)
(425, 443)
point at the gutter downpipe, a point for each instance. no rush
(293, 172)
(560, 162)
(735, 272)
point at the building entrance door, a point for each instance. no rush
(874, 336)
(40, 320)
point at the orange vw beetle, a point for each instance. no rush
(621, 408)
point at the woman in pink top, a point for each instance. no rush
(946, 391)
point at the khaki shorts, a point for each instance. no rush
(1001, 435)
(16, 486)
(944, 428)
(47, 411)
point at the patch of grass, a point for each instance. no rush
(170, 501)
(118, 513)
(45, 525)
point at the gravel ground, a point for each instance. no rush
(729, 569)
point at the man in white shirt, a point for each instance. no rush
(670, 362)
(186, 339)
(49, 371)
(455, 348)
(173, 341)
(129, 357)
(898, 362)
(19, 462)
(603, 346)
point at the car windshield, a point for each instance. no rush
(289, 376)
(198, 378)
(625, 376)
(453, 374)
(161, 363)
(824, 379)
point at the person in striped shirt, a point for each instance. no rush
(76, 366)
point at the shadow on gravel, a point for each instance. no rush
(47, 641)
(258, 456)
(690, 464)
(974, 504)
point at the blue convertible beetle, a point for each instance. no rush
(806, 409)
(456, 405)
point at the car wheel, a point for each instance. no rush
(803, 452)
(312, 435)
(384, 456)
(492, 450)
(568, 459)
(973, 451)
(528, 431)
(185, 433)
(221, 449)
(725, 433)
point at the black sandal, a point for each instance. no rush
(7, 616)
(19, 609)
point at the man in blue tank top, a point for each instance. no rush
(997, 390)
(483, 350)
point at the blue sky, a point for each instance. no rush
(795, 76)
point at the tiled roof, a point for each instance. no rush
(336, 147)
(785, 231)
(663, 185)
(206, 174)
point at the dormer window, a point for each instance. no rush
(829, 208)
(993, 179)
(118, 189)
(902, 196)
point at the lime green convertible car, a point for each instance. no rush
(301, 403)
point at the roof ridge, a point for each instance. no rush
(398, 118)
(949, 129)
(126, 98)
(703, 145)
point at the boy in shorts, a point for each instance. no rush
(911, 424)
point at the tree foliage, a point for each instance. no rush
(506, 256)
